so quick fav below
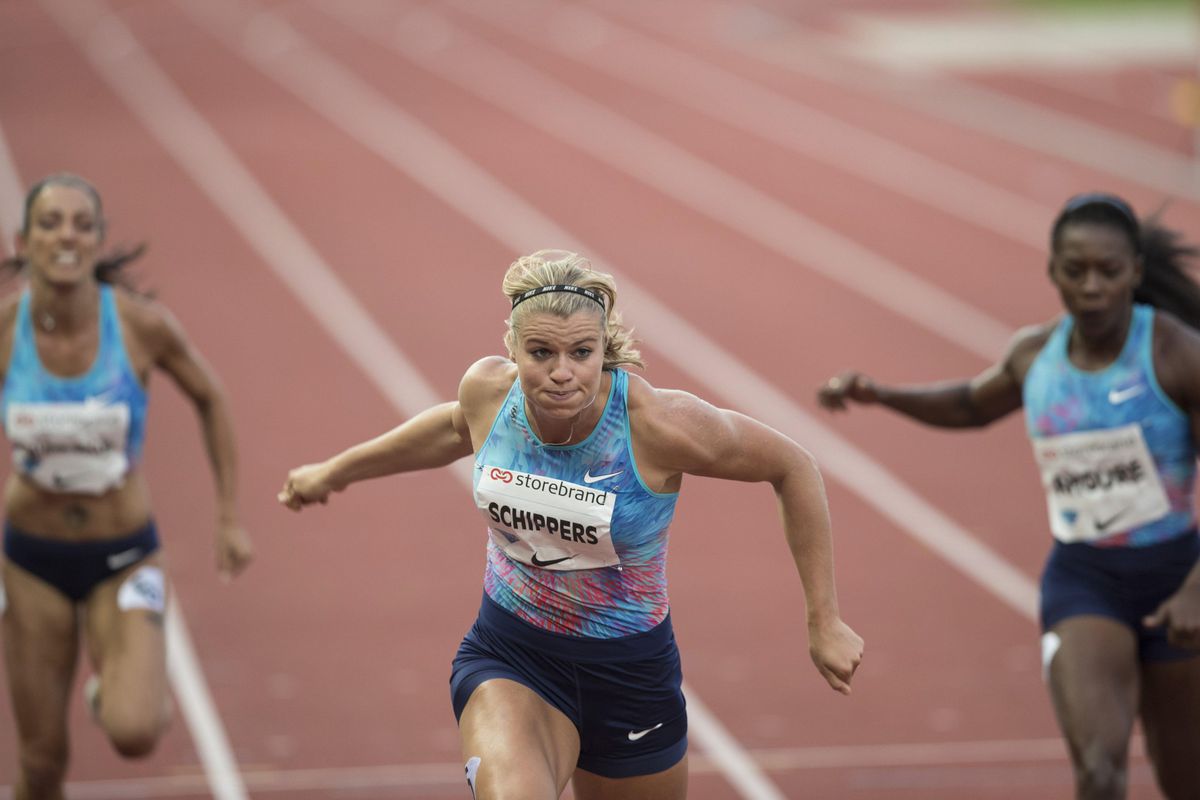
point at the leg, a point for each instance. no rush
(1094, 685)
(527, 748)
(128, 648)
(670, 784)
(41, 647)
(1171, 718)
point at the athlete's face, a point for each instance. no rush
(64, 236)
(1095, 270)
(560, 361)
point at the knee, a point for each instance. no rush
(131, 737)
(43, 770)
(1101, 772)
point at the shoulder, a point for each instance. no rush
(1176, 359)
(8, 316)
(1025, 345)
(671, 419)
(487, 380)
(150, 321)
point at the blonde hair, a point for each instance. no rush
(549, 267)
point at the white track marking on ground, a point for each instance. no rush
(652, 65)
(402, 777)
(1044, 130)
(559, 110)
(375, 121)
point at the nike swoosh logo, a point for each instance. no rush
(635, 735)
(124, 558)
(537, 562)
(1118, 396)
(1101, 525)
(588, 477)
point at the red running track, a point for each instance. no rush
(328, 661)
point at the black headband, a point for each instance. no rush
(1100, 198)
(560, 287)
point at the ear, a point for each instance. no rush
(1139, 271)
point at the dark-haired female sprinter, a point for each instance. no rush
(80, 545)
(1111, 392)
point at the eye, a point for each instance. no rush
(85, 224)
(583, 352)
(48, 222)
(539, 353)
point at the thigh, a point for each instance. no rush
(1170, 710)
(1093, 679)
(41, 648)
(526, 747)
(125, 618)
(670, 784)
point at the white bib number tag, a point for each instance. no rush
(546, 522)
(1099, 483)
(70, 447)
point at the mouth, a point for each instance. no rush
(67, 258)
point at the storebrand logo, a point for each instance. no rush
(498, 474)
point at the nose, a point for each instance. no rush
(1092, 283)
(561, 372)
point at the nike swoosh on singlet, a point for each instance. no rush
(588, 477)
(1118, 396)
(537, 562)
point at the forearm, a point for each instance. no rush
(944, 405)
(427, 441)
(217, 424)
(806, 526)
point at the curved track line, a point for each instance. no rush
(651, 65)
(372, 119)
(541, 101)
(1019, 122)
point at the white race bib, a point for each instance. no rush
(1099, 483)
(70, 447)
(546, 522)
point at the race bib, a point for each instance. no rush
(70, 447)
(546, 522)
(1099, 483)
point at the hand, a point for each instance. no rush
(837, 651)
(1181, 614)
(306, 485)
(836, 391)
(234, 550)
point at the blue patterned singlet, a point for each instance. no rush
(578, 542)
(1116, 454)
(80, 434)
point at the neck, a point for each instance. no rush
(63, 308)
(531, 413)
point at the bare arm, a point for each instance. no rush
(175, 355)
(434, 438)
(693, 437)
(974, 403)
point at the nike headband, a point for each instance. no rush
(560, 287)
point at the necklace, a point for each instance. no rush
(571, 432)
(47, 321)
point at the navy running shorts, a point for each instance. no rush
(1122, 583)
(624, 695)
(76, 568)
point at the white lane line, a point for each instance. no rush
(12, 198)
(420, 153)
(116, 56)
(546, 103)
(372, 119)
(1044, 130)
(416, 776)
(650, 64)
